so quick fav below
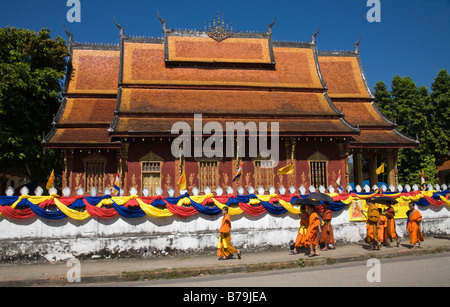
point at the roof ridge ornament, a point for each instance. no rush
(219, 32)
(313, 40)
(269, 28)
(357, 44)
(162, 21)
(70, 35)
(121, 33)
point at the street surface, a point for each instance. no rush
(410, 271)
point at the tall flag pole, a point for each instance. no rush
(51, 181)
(338, 181)
(422, 183)
(182, 181)
(116, 186)
(286, 170)
(380, 169)
(239, 172)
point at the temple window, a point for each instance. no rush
(263, 173)
(94, 171)
(151, 165)
(151, 175)
(318, 170)
(208, 174)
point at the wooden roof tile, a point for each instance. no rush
(343, 77)
(211, 101)
(94, 71)
(295, 68)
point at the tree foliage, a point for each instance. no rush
(32, 66)
(418, 113)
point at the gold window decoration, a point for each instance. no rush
(208, 174)
(318, 170)
(263, 173)
(94, 171)
(151, 175)
(151, 172)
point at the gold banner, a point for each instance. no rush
(358, 209)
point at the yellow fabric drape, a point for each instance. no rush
(73, 214)
(153, 211)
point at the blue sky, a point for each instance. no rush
(412, 39)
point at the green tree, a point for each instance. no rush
(32, 66)
(440, 101)
(417, 114)
(384, 101)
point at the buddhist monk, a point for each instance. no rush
(301, 235)
(390, 227)
(373, 216)
(414, 221)
(312, 232)
(224, 247)
(381, 229)
(327, 234)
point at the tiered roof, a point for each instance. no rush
(349, 91)
(225, 76)
(90, 97)
(144, 85)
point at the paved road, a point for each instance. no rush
(410, 271)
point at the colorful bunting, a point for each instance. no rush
(105, 207)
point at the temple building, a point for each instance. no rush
(121, 103)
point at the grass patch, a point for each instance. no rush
(166, 274)
(331, 261)
(272, 266)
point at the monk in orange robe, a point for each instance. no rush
(381, 230)
(373, 216)
(224, 247)
(312, 232)
(414, 220)
(327, 235)
(390, 227)
(300, 241)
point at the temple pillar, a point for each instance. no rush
(68, 166)
(392, 159)
(344, 154)
(357, 168)
(122, 159)
(293, 175)
(373, 177)
(289, 143)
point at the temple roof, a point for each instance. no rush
(343, 75)
(349, 91)
(134, 126)
(219, 73)
(203, 49)
(95, 71)
(89, 100)
(144, 64)
(224, 102)
(144, 85)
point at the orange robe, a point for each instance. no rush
(372, 221)
(224, 247)
(415, 234)
(390, 224)
(312, 232)
(381, 231)
(327, 235)
(301, 236)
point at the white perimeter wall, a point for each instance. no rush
(37, 238)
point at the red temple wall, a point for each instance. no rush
(159, 150)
